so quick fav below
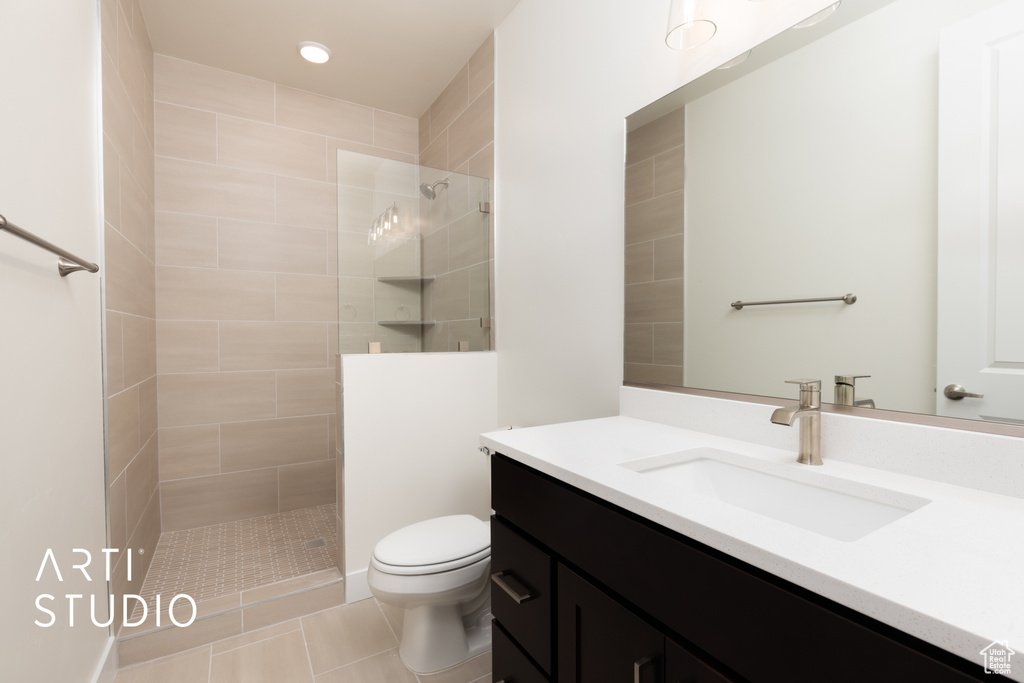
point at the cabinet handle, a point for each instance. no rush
(519, 593)
(638, 668)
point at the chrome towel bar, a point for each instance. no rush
(846, 299)
(67, 263)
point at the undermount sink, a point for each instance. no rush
(830, 506)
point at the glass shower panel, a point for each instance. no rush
(415, 262)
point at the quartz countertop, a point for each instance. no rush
(948, 573)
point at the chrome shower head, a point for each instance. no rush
(428, 190)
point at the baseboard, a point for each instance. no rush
(356, 586)
(108, 663)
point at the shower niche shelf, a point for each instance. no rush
(406, 322)
(406, 278)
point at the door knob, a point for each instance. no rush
(956, 392)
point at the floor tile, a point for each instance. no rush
(467, 672)
(387, 666)
(188, 667)
(346, 634)
(281, 659)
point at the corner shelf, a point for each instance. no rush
(406, 322)
(406, 278)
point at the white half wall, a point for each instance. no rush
(568, 72)
(411, 424)
(52, 492)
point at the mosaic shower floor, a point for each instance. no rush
(219, 560)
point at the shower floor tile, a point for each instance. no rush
(224, 559)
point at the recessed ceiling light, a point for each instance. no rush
(314, 52)
(818, 17)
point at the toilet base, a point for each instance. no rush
(438, 637)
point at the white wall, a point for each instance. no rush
(816, 176)
(51, 393)
(411, 424)
(567, 74)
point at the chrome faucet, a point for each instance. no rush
(809, 414)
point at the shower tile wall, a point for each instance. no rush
(654, 252)
(129, 281)
(246, 281)
(456, 134)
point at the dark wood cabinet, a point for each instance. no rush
(618, 586)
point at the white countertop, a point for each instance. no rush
(949, 573)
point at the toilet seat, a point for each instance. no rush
(436, 545)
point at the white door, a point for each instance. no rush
(981, 215)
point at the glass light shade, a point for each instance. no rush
(314, 52)
(688, 25)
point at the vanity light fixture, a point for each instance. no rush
(386, 221)
(314, 52)
(688, 25)
(818, 17)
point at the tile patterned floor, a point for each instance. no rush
(222, 559)
(355, 643)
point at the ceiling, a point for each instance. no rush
(395, 55)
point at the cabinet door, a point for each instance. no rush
(508, 663)
(681, 666)
(600, 641)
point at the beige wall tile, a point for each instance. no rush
(386, 666)
(108, 25)
(129, 68)
(668, 258)
(397, 300)
(274, 590)
(244, 245)
(190, 187)
(670, 375)
(306, 203)
(468, 331)
(479, 291)
(271, 443)
(185, 133)
(136, 213)
(435, 252)
(657, 136)
(668, 344)
(306, 485)
(639, 342)
(129, 277)
(174, 640)
(115, 353)
(472, 130)
(144, 164)
(147, 409)
(307, 297)
(332, 252)
(640, 182)
(305, 392)
(202, 87)
(481, 68)
(481, 164)
(450, 296)
(186, 240)
(639, 262)
(118, 115)
(452, 101)
(189, 452)
(139, 348)
(324, 115)
(271, 149)
(118, 513)
(393, 131)
(186, 346)
(435, 155)
(343, 635)
(208, 398)
(355, 209)
(468, 241)
(650, 302)
(123, 429)
(669, 171)
(424, 130)
(655, 218)
(355, 303)
(272, 346)
(200, 294)
(111, 183)
(355, 257)
(141, 481)
(143, 542)
(193, 665)
(283, 609)
(334, 144)
(189, 503)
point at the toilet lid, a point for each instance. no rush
(434, 541)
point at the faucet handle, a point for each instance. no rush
(849, 379)
(806, 384)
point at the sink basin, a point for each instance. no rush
(827, 505)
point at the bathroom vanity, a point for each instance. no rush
(607, 573)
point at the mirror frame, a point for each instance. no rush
(768, 51)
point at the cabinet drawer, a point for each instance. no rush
(508, 663)
(521, 591)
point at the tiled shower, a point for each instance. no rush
(223, 262)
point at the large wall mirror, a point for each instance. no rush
(879, 153)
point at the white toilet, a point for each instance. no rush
(437, 571)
